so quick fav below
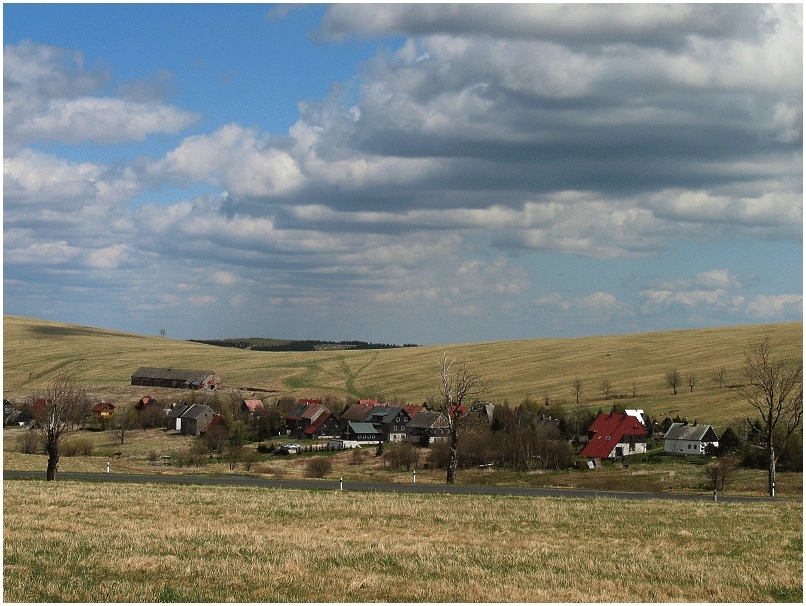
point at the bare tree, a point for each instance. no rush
(125, 421)
(720, 377)
(673, 379)
(605, 386)
(775, 391)
(692, 381)
(718, 471)
(576, 389)
(57, 412)
(459, 388)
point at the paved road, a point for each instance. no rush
(242, 480)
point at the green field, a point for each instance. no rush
(36, 350)
(85, 542)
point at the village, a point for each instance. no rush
(538, 437)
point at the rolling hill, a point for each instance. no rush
(34, 351)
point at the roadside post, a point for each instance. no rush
(415, 477)
(341, 483)
(107, 467)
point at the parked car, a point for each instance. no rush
(292, 448)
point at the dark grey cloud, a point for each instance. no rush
(656, 25)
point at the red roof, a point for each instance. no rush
(100, 407)
(412, 409)
(253, 405)
(145, 401)
(318, 423)
(609, 429)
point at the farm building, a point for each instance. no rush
(613, 435)
(196, 419)
(175, 413)
(179, 378)
(685, 439)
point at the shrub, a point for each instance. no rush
(30, 443)
(357, 456)
(77, 447)
(318, 467)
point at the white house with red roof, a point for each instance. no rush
(614, 435)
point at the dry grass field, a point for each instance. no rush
(84, 542)
(35, 350)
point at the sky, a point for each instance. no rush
(403, 173)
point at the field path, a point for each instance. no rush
(243, 480)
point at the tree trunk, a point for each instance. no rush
(453, 459)
(53, 459)
(771, 470)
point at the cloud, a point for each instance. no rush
(771, 307)
(47, 98)
(492, 139)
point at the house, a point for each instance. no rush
(103, 410)
(614, 435)
(303, 416)
(145, 402)
(427, 427)
(197, 419)
(178, 378)
(391, 421)
(362, 432)
(252, 406)
(357, 412)
(325, 426)
(685, 439)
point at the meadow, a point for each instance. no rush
(85, 542)
(634, 365)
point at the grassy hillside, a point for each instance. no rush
(35, 350)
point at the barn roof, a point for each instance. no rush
(172, 374)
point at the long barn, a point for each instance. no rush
(179, 378)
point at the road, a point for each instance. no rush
(251, 481)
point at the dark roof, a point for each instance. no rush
(172, 374)
(357, 412)
(196, 411)
(427, 419)
(177, 410)
(358, 427)
(694, 433)
(101, 406)
(609, 429)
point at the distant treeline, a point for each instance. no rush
(256, 344)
